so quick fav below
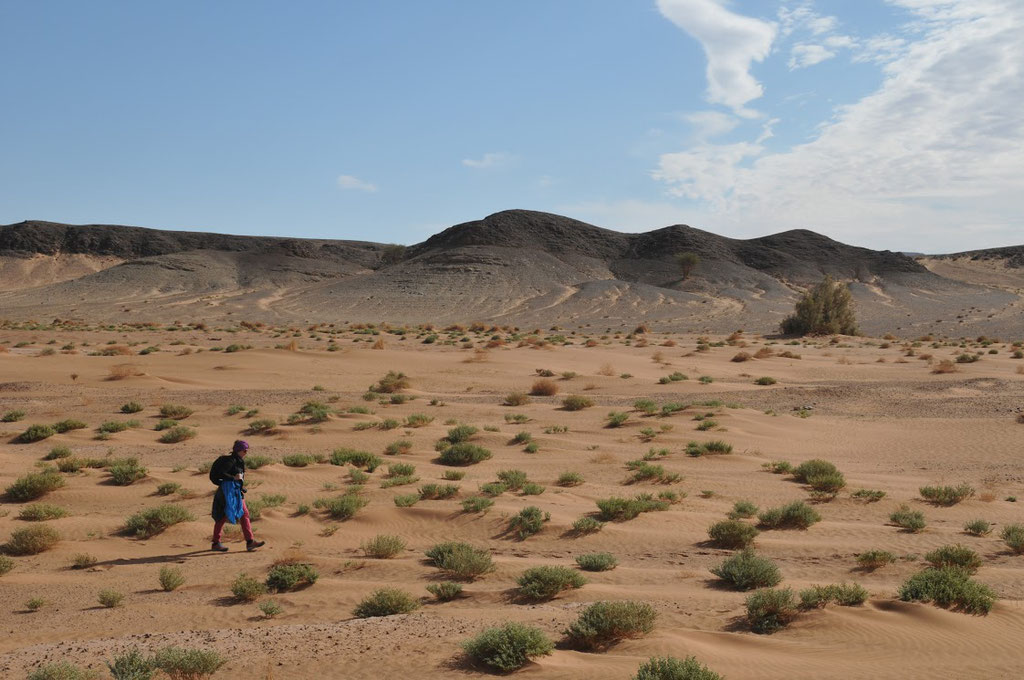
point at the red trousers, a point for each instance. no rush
(243, 522)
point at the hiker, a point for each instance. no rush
(228, 473)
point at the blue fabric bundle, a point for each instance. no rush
(232, 491)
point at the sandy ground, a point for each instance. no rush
(883, 418)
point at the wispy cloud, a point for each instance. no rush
(353, 183)
(803, 55)
(489, 160)
(936, 150)
(731, 43)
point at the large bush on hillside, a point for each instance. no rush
(826, 309)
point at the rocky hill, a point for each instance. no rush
(514, 267)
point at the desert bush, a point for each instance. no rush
(512, 479)
(418, 420)
(671, 668)
(291, 575)
(359, 459)
(617, 419)
(949, 587)
(32, 540)
(765, 380)
(569, 479)
(946, 495)
(165, 424)
(532, 489)
(711, 448)
(910, 520)
(269, 609)
(177, 434)
(845, 595)
(602, 624)
(544, 583)
(41, 512)
(601, 561)
(6, 564)
(175, 411)
(621, 509)
(36, 433)
(342, 507)
(112, 426)
(874, 559)
(945, 366)
(170, 578)
(83, 561)
(868, 495)
(954, 556)
(445, 590)
(12, 416)
(437, 492)
(131, 407)
(586, 525)
(575, 402)
(516, 399)
(406, 500)
(386, 602)
(813, 468)
(298, 460)
(262, 426)
(72, 424)
(778, 467)
(476, 504)
(827, 483)
(528, 522)
(827, 309)
(247, 588)
(743, 510)
(188, 664)
(978, 527)
(795, 515)
(132, 665)
(460, 560)
(110, 598)
(125, 471)
(460, 434)
(1013, 536)
(746, 571)
(732, 534)
(544, 388)
(34, 485)
(770, 609)
(522, 438)
(401, 470)
(168, 488)
(390, 383)
(516, 418)
(152, 521)
(508, 647)
(58, 452)
(61, 670)
(463, 453)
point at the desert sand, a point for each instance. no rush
(873, 407)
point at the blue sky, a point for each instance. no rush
(884, 123)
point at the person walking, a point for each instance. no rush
(228, 473)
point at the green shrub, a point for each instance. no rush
(36, 433)
(168, 488)
(342, 507)
(83, 561)
(875, 559)
(401, 470)
(946, 495)
(125, 471)
(262, 426)
(512, 479)
(869, 495)
(360, 459)
(732, 534)
(770, 609)
(795, 515)
(418, 420)
(647, 406)
(152, 521)
(247, 588)
(586, 525)
(12, 416)
(445, 590)
(383, 546)
(813, 468)
(621, 509)
(131, 407)
(61, 670)
(532, 489)
(463, 453)
(617, 419)
(6, 564)
(604, 623)
(528, 522)
(407, 500)
(949, 587)
(765, 380)
(508, 647)
(601, 561)
(460, 433)
(978, 527)
(171, 578)
(569, 479)
(34, 485)
(746, 571)
(544, 583)
(743, 510)
(41, 512)
(907, 519)
(32, 540)
(165, 424)
(110, 598)
(827, 483)
(438, 491)
(132, 665)
(841, 593)
(670, 668)
(1013, 536)
(575, 402)
(70, 464)
(954, 556)
(58, 452)
(188, 664)
(177, 434)
(460, 560)
(298, 459)
(269, 609)
(386, 602)
(112, 426)
(826, 309)
(175, 411)
(476, 504)
(402, 446)
(778, 467)
(711, 448)
(493, 488)
(289, 576)
(390, 383)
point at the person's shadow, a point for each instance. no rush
(180, 558)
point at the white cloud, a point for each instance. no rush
(353, 183)
(489, 160)
(935, 152)
(803, 55)
(708, 124)
(731, 43)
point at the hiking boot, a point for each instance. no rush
(218, 547)
(252, 545)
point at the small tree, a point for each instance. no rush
(826, 309)
(687, 262)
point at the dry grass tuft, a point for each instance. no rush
(124, 371)
(945, 366)
(544, 388)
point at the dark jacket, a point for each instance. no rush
(223, 469)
